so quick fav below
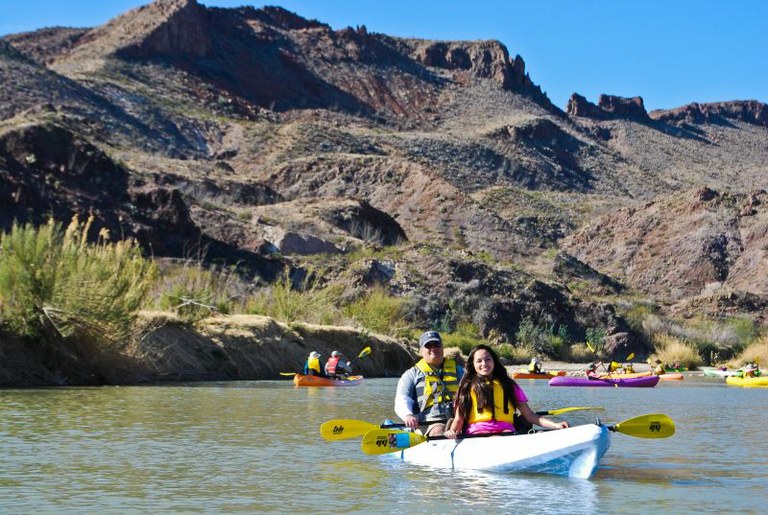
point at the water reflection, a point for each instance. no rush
(255, 447)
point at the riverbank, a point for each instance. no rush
(237, 347)
(223, 348)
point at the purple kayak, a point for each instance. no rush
(630, 382)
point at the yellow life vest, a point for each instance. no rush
(498, 403)
(440, 385)
(314, 364)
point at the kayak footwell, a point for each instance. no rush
(574, 452)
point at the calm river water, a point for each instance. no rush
(255, 447)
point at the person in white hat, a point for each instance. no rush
(312, 366)
(337, 366)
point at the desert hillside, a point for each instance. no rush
(261, 139)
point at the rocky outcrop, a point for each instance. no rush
(363, 221)
(749, 111)
(289, 242)
(568, 268)
(608, 107)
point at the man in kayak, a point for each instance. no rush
(425, 391)
(659, 369)
(488, 398)
(312, 366)
(337, 366)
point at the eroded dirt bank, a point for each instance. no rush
(236, 347)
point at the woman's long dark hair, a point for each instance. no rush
(483, 388)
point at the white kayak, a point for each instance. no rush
(573, 452)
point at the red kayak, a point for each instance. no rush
(302, 380)
(630, 382)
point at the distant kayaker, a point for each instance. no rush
(750, 370)
(425, 392)
(591, 372)
(312, 366)
(488, 397)
(534, 367)
(337, 366)
(659, 368)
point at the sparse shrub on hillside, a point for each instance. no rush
(579, 352)
(670, 349)
(545, 341)
(379, 312)
(282, 301)
(515, 354)
(54, 284)
(714, 339)
(195, 292)
(465, 336)
(755, 353)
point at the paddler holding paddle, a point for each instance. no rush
(425, 392)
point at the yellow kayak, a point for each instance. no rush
(748, 382)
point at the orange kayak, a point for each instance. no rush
(524, 374)
(302, 380)
(671, 377)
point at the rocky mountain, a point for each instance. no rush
(274, 141)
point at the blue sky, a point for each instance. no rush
(670, 52)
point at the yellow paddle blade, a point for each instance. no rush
(654, 425)
(566, 410)
(288, 373)
(384, 441)
(589, 346)
(345, 428)
(364, 352)
(629, 358)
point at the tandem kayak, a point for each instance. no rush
(632, 382)
(748, 382)
(573, 452)
(302, 380)
(524, 374)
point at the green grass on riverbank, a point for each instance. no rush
(57, 288)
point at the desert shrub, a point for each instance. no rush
(670, 349)
(54, 284)
(379, 312)
(637, 313)
(194, 292)
(515, 354)
(579, 352)
(757, 352)
(465, 336)
(282, 301)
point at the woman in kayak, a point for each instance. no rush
(487, 399)
(591, 372)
